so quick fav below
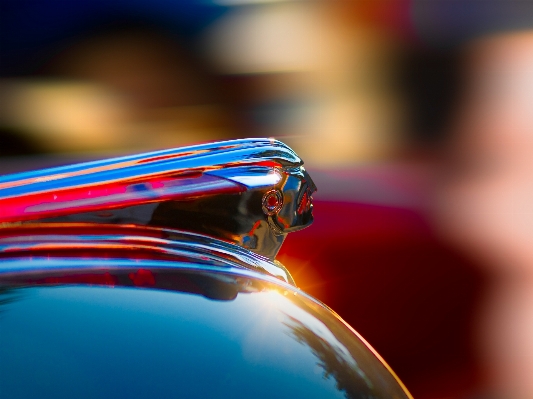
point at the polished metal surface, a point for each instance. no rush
(154, 276)
(33, 245)
(146, 329)
(249, 192)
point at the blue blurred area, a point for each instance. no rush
(31, 31)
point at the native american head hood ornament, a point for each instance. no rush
(249, 192)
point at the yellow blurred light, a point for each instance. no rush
(271, 38)
(65, 115)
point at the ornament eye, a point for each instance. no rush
(272, 202)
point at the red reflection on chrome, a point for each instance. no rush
(113, 195)
(272, 201)
(93, 279)
(269, 164)
(143, 278)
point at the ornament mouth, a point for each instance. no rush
(306, 203)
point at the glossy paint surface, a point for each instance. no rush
(179, 333)
(216, 189)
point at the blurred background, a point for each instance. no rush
(415, 118)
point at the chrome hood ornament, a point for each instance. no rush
(248, 192)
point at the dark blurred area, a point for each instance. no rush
(415, 118)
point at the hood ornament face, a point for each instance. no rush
(249, 192)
